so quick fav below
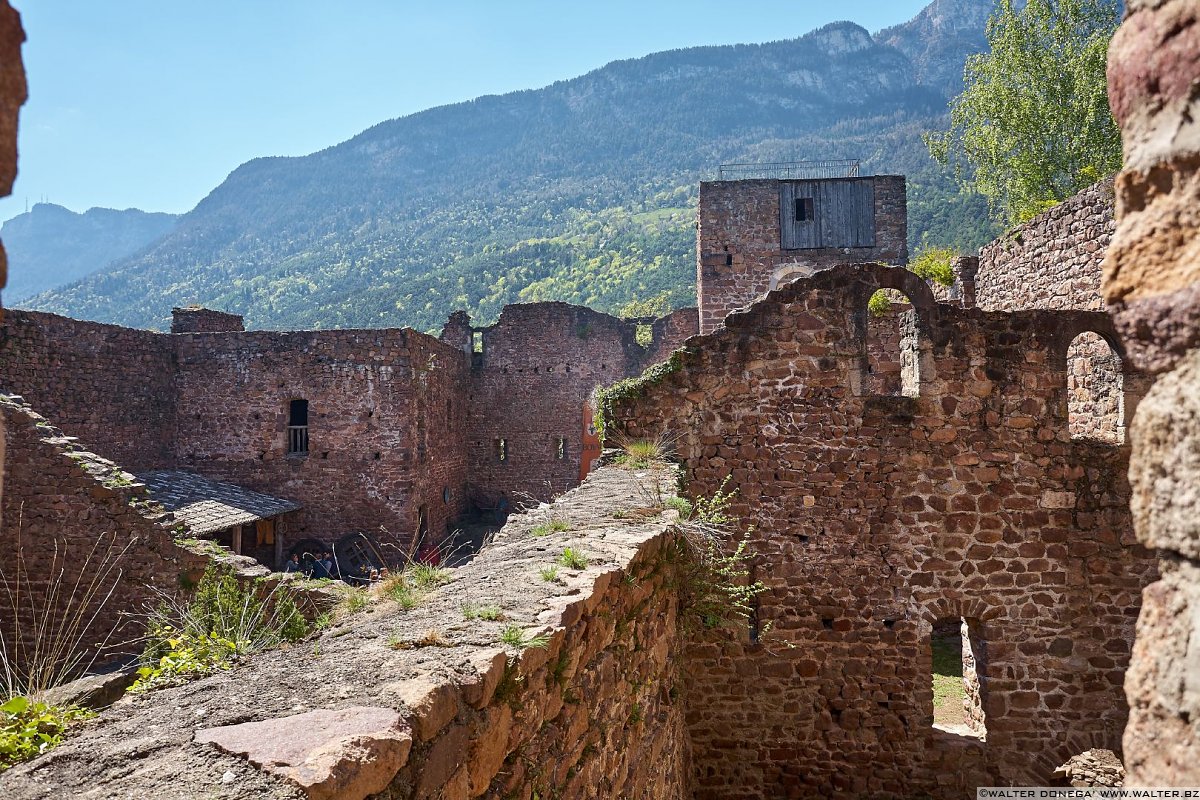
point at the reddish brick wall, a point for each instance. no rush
(739, 246)
(71, 521)
(540, 364)
(112, 387)
(387, 426)
(1052, 261)
(877, 516)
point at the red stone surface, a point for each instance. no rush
(876, 516)
(345, 754)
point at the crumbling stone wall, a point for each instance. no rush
(1152, 285)
(877, 516)
(540, 364)
(81, 546)
(386, 426)
(739, 255)
(112, 387)
(396, 417)
(204, 320)
(1052, 261)
(598, 711)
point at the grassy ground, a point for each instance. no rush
(947, 680)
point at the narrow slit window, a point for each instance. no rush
(804, 209)
(297, 427)
(560, 448)
(502, 450)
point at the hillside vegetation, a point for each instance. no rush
(582, 191)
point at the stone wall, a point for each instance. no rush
(112, 387)
(387, 427)
(1052, 261)
(540, 364)
(83, 554)
(595, 709)
(739, 249)
(1152, 285)
(397, 418)
(877, 516)
(204, 320)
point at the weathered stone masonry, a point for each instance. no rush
(596, 713)
(402, 427)
(1152, 285)
(740, 248)
(1052, 261)
(877, 516)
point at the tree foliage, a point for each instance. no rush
(1032, 126)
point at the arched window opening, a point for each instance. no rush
(893, 351)
(1095, 390)
(297, 427)
(959, 661)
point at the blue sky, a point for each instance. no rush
(151, 103)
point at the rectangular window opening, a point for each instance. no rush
(804, 209)
(297, 427)
(560, 448)
(959, 686)
(502, 450)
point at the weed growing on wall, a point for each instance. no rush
(515, 636)
(712, 562)
(223, 622)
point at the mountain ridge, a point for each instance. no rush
(578, 191)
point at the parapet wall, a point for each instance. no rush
(595, 710)
(112, 387)
(83, 553)
(879, 515)
(1053, 261)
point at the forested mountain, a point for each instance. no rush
(51, 246)
(581, 191)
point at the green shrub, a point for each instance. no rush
(573, 558)
(879, 304)
(553, 526)
(29, 728)
(682, 506)
(549, 574)
(935, 264)
(223, 622)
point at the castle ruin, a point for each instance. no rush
(1012, 458)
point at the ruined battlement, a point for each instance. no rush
(194, 319)
(598, 709)
(1054, 260)
(961, 494)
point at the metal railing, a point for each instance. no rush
(790, 170)
(297, 439)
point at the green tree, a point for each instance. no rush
(1032, 126)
